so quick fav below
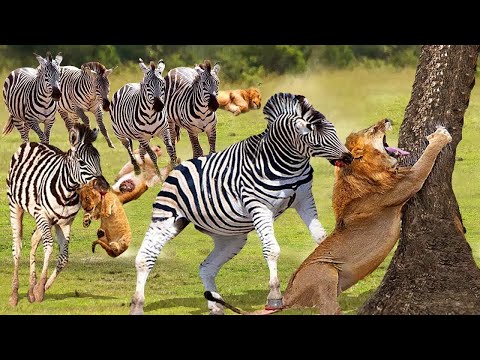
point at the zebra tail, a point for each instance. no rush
(209, 296)
(7, 129)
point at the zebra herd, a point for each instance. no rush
(225, 195)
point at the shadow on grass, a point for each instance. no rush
(244, 301)
(75, 294)
(351, 303)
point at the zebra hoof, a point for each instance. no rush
(273, 304)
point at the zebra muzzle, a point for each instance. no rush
(157, 104)
(56, 94)
(106, 105)
(213, 103)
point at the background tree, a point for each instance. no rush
(433, 270)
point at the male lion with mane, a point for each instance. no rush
(368, 197)
(240, 100)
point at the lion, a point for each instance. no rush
(240, 100)
(114, 234)
(368, 197)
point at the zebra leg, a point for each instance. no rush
(146, 147)
(128, 145)
(101, 125)
(33, 124)
(23, 128)
(263, 222)
(168, 141)
(66, 118)
(45, 228)
(305, 205)
(81, 114)
(16, 218)
(158, 234)
(48, 128)
(212, 135)
(226, 247)
(197, 149)
(63, 239)
(36, 237)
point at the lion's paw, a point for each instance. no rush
(87, 220)
(440, 135)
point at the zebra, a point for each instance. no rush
(32, 96)
(85, 89)
(137, 112)
(42, 180)
(191, 102)
(244, 187)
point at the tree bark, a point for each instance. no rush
(433, 270)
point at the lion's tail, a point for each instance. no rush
(209, 296)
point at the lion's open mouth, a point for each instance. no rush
(393, 151)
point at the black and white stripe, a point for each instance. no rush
(85, 89)
(42, 181)
(137, 112)
(32, 96)
(244, 187)
(191, 102)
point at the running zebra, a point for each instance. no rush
(85, 89)
(191, 102)
(137, 114)
(32, 96)
(42, 181)
(244, 187)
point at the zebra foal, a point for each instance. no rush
(42, 181)
(243, 188)
(85, 89)
(137, 112)
(32, 96)
(191, 102)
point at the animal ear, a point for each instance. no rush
(40, 59)
(161, 66)
(199, 69)
(142, 65)
(303, 127)
(357, 152)
(59, 58)
(89, 71)
(109, 71)
(216, 68)
(74, 138)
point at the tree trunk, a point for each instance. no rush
(433, 270)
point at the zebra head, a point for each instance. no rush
(50, 68)
(304, 128)
(86, 157)
(208, 80)
(99, 74)
(154, 84)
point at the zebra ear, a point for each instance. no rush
(199, 69)
(59, 58)
(303, 127)
(160, 66)
(40, 59)
(73, 137)
(109, 71)
(142, 65)
(89, 71)
(216, 68)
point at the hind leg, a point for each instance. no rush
(158, 234)
(63, 239)
(44, 226)
(101, 125)
(168, 141)
(16, 217)
(22, 128)
(226, 247)
(36, 237)
(197, 149)
(66, 118)
(145, 148)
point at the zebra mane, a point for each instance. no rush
(85, 134)
(96, 66)
(289, 104)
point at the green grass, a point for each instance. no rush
(98, 284)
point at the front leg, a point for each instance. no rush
(263, 221)
(304, 203)
(81, 114)
(87, 219)
(212, 134)
(33, 124)
(101, 125)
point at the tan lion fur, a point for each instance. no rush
(368, 198)
(240, 100)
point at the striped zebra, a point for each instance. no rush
(137, 112)
(191, 102)
(42, 181)
(244, 187)
(85, 89)
(32, 96)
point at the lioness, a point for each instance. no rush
(368, 197)
(240, 100)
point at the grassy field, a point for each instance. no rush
(98, 284)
